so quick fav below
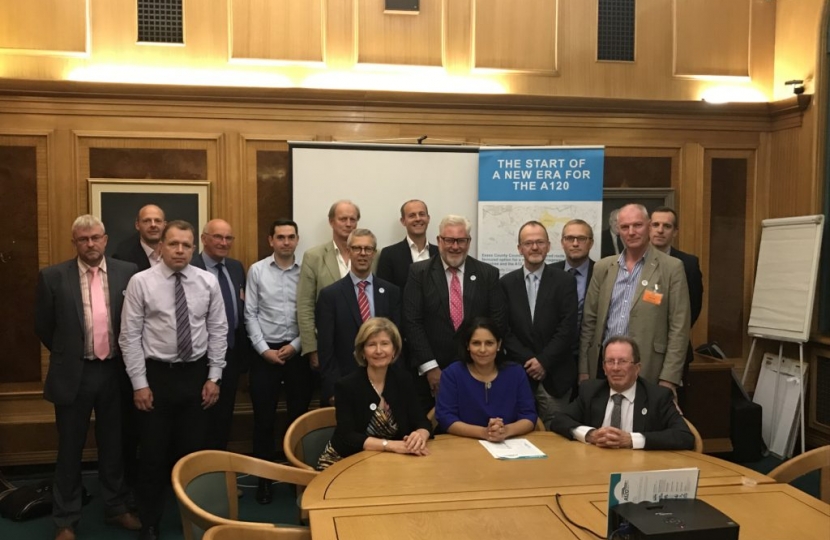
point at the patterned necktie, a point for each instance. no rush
(456, 300)
(363, 301)
(227, 297)
(532, 290)
(184, 346)
(616, 412)
(581, 298)
(100, 324)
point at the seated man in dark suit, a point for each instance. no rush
(345, 305)
(644, 415)
(394, 261)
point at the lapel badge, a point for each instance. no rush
(644, 283)
(473, 277)
(373, 406)
(381, 290)
(644, 411)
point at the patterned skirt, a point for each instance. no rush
(382, 425)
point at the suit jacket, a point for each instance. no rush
(607, 244)
(561, 265)
(394, 262)
(318, 271)
(354, 395)
(427, 324)
(59, 322)
(655, 415)
(338, 320)
(661, 331)
(549, 336)
(237, 273)
(131, 250)
(694, 280)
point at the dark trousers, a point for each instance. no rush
(130, 431)
(266, 380)
(220, 416)
(99, 391)
(175, 427)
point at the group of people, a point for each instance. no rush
(154, 338)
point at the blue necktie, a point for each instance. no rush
(227, 296)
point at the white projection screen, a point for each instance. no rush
(379, 178)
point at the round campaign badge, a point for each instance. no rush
(373, 407)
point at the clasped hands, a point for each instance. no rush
(415, 443)
(496, 430)
(609, 437)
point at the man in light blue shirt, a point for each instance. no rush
(271, 320)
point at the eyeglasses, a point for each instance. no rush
(462, 242)
(87, 239)
(219, 238)
(362, 249)
(579, 239)
(622, 362)
(534, 243)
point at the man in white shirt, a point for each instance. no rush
(624, 411)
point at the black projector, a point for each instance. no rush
(670, 519)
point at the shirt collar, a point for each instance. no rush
(84, 267)
(168, 272)
(413, 245)
(355, 280)
(210, 261)
(629, 393)
(447, 267)
(537, 273)
(293, 265)
(582, 268)
(151, 252)
(621, 258)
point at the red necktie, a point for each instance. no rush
(100, 325)
(363, 301)
(456, 300)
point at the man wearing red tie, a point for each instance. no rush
(343, 307)
(78, 318)
(440, 295)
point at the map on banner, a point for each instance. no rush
(499, 222)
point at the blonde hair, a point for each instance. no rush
(370, 329)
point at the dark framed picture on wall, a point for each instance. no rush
(615, 198)
(117, 203)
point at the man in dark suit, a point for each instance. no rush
(541, 315)
(142, 248)
(217, 239)
(662, 234)
(78, 318)
(394, 261)
(624, 411)
(345, 305)
(440, 295)
(577, 240)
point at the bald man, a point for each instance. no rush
(217, 240)
(142, 248)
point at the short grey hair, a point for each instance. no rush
(452, 220)
(87, 221)
(333, 208)
(361, 232)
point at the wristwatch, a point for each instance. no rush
(217, 382)
(385, 444)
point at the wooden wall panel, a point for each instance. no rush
(412, 40)
(516, 39)
(44, 26)
(277, 29)
(799, 25)
(711, 37)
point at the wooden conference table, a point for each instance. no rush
(460, 491)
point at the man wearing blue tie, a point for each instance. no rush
(343, 307)
(217, 239)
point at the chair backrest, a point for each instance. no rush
(698, 439)
(205, 487)
(817, 459)
(307, 436)
(540, 426)
(244, 532)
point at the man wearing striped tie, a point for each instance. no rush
(173, 339)
(343, 306)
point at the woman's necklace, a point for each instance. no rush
(486, 380)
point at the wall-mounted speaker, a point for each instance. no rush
(403, 6)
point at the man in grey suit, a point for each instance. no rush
(322, 266)
(78, 318)
(641, 293)
(624, 411)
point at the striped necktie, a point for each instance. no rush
(363, 301)
(184, 345)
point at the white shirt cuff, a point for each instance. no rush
(580, 432)
(426, 366)
(638, 441)
(140, 382)
(214, 373)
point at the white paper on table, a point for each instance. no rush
(513, 449)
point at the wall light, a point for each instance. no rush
(733, 94)
(120, 73)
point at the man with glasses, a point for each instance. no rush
(322, 266)
(641, 293)
(394, 261)
(541, 315)
(78, 318)
(577, 240)
(345, 305)
(440, 295)
(217, 239)
(623, 410)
